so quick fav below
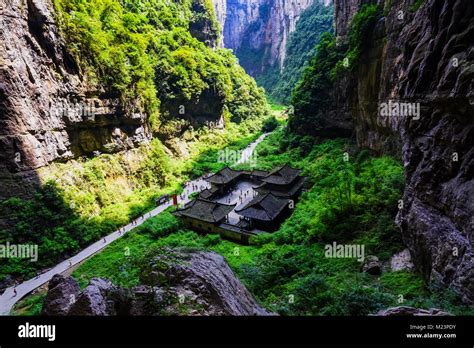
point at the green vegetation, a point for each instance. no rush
(314, 95)
(416, 5)
(30, 305)
(270, 124)
(151, 55)
(360, 31)
(85, 200)
(154, 49)
(350, 202)
(314, 21)
(145, 52)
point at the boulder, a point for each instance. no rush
(401, 261)
(372, 265)
(204, 280)
(411, 311)
(62, 293)
(174, 283)
(93, 300)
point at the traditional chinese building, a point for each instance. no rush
(272, 195)
(283, 181)
(265, 212)
(224, 179)
(203, 215)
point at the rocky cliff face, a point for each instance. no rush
(51, 112)
(199, 283)
(422, 56)
(47, 112)
(257, 30)
(202, 26)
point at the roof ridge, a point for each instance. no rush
(261, 198)
(213, 202)
(258, 199)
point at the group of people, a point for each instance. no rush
(191, 188)
(242, 196)
(194, 187)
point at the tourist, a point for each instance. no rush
(104, 240)
(14, 292)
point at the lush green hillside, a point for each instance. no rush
(314, 21)
(157, 55)
(86, 199)
(313, 96)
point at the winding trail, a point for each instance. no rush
(8, 299)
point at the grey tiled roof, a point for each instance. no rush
(204, 210)
(284, 191)
(224, 176)
(259, 173)
(282, 175)
(208, 193)
(264, 207)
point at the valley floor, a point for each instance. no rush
(352, 201)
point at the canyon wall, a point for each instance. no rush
(47, 111)
(257, 30)
(423, 56)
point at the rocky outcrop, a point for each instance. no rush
(62, 293)
(94, 299)
(424, 57)
(344, 10)
(401, 261)
(372, 265)
(174, 283)
(201, 280)
(52, 111)
(258, 30)
(220, 7)
(48, 112)
(202, 25)
(411, 311)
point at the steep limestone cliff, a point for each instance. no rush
(421, 54)
(47, 112)
(258, 30)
